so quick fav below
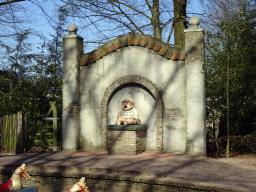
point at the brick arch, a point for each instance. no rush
(154, 91)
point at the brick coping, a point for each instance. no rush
(120, 175)
(134, 39)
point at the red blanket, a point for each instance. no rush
(6, 186)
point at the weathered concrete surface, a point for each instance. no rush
(167, 75)
(168, 91)
(195, 89)
(72, 50)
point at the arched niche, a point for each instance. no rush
(138, 87)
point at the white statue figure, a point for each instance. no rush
(128, 114)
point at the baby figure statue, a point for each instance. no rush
(128, 114)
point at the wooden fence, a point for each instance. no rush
(15, 135)
(11, 133)
(44, 133)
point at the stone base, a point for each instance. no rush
(126, 139)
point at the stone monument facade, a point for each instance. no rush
(166, 83)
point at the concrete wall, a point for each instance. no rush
(167, 75)
(167, 85)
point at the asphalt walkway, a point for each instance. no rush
(181, 168)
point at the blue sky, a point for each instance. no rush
(40, 22)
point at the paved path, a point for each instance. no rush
(239, 176)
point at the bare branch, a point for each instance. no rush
(123, 23)
(149, 6)
(9, 2)
(92, 23)
(170, 20)
(136, 10)
(44, 12)
(146, 16)
(170, 34)
(127, 17)
(145, 26)
(13, 18)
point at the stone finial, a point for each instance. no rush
(194, 22)
(72, 28)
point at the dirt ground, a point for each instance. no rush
(235, 155)
(246, 161)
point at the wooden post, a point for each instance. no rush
(14, 133)
(1, 132)
(25, 137)
(54, 115)
(54, 127)
(20, 133)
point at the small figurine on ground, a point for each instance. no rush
(128, 114)
(15, 183)
(79, 186)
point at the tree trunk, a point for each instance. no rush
(217, 125)
(179, 21)
(155, 19)
(227, 149)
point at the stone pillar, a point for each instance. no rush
(195, 88)
(72, 51)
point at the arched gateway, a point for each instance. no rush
(167, 84)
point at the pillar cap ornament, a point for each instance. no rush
(72, 32)
(193, 22)
(72, 28)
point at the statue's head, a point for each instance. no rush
(127, 104)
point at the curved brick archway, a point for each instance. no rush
(154, 91)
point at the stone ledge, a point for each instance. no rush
(126, 127)
(118, 175)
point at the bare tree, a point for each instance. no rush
(108, 19)
(16, 21)
(218, 10)
(9, 22)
